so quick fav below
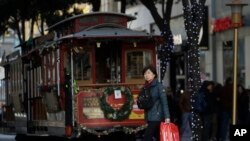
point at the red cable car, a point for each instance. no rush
(84, 75)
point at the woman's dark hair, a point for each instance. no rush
(151, 68)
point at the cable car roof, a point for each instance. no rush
(108, 31)
(94, 14)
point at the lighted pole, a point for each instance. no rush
(236, 8)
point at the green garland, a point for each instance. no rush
(126, 130)
(111, 113)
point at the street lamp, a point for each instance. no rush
(236, 8)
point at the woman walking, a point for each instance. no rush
(159, 111)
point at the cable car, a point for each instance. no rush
(83, 76)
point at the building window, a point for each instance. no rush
(228, 61)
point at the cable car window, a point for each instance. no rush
(136, 60)
(88, 20)
(108, 63)
(16, 92)
(112, 19)
(82, 66)
(2, 90)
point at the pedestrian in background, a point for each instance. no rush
(209, 113)
(174, 109)
(243, 105)
(185, 107)
(226, 97)
(248, 115)
(1, 112)
(159, 112)
(217, 91)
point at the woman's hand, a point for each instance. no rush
(167, 120)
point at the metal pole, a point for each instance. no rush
(235, 76)
(236, 7)
(72, 85)
(58, 70)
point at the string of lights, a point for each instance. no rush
(193, 19)
(166, 50)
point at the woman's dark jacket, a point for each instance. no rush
(160, 110)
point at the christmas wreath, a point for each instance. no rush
(116, 114)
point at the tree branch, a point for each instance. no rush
(202, 2)
(167, 14)
(96, 4)
(193, 2)
(185, 3)
(16, 26)
(151, 7)
(32, 26)
(163, 7)
(23, 29)
(123, 6)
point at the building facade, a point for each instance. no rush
(222, 43)
(216, 56)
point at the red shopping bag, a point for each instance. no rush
(169, 132)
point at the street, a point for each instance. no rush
(7, 137)
(112, 137)
(4, 137)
